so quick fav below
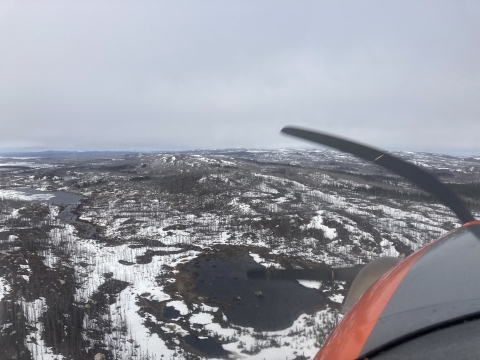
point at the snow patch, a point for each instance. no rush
(4, 288)
(336, 298)
(313, 284)
(201, 318)
(264, 262)
(180, 306)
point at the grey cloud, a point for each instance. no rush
(212, 74)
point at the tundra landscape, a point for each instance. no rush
(200, 255)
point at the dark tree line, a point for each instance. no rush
(470, 190)
(396, 194)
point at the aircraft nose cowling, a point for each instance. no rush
(436, 285)
(373, 271)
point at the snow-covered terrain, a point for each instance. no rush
(110, 275)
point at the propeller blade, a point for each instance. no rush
(319, 274)
(409, 171)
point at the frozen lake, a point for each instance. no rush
(48, 197)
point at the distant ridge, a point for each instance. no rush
(62, 154)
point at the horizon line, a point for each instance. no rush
(134, 151)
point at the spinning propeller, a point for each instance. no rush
(409, 171)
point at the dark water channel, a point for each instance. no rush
(70, 200)
(280, 303)
(208, 346)
(88, 231)
(170, 312)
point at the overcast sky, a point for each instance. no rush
(153, 75)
